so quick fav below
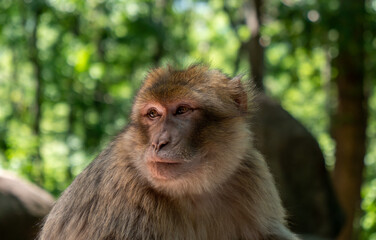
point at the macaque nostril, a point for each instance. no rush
(162, 145)
(158, 146)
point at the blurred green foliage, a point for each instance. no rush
(93, 55)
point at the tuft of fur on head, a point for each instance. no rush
(226, 140)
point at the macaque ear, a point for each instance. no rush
(238, 93)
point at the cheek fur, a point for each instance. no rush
(143, 132)
(213, 128)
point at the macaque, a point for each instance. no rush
(184, 168)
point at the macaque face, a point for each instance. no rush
(171, 151)
(191, 135)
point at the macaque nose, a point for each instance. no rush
(161, 142)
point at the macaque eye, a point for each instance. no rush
(182, 109)
(152, 113)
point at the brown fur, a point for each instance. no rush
(230, 194)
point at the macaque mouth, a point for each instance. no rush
(169, 163)
(165, 161)
(165, 168)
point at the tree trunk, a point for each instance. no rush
(351, 118)
(255, 49)
(34, 57)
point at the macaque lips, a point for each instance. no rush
(165, 169)
(165, 161)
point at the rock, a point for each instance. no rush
(298, 166)
(22, 207)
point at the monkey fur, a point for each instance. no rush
(184, 168)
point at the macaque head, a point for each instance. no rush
(191, 128)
